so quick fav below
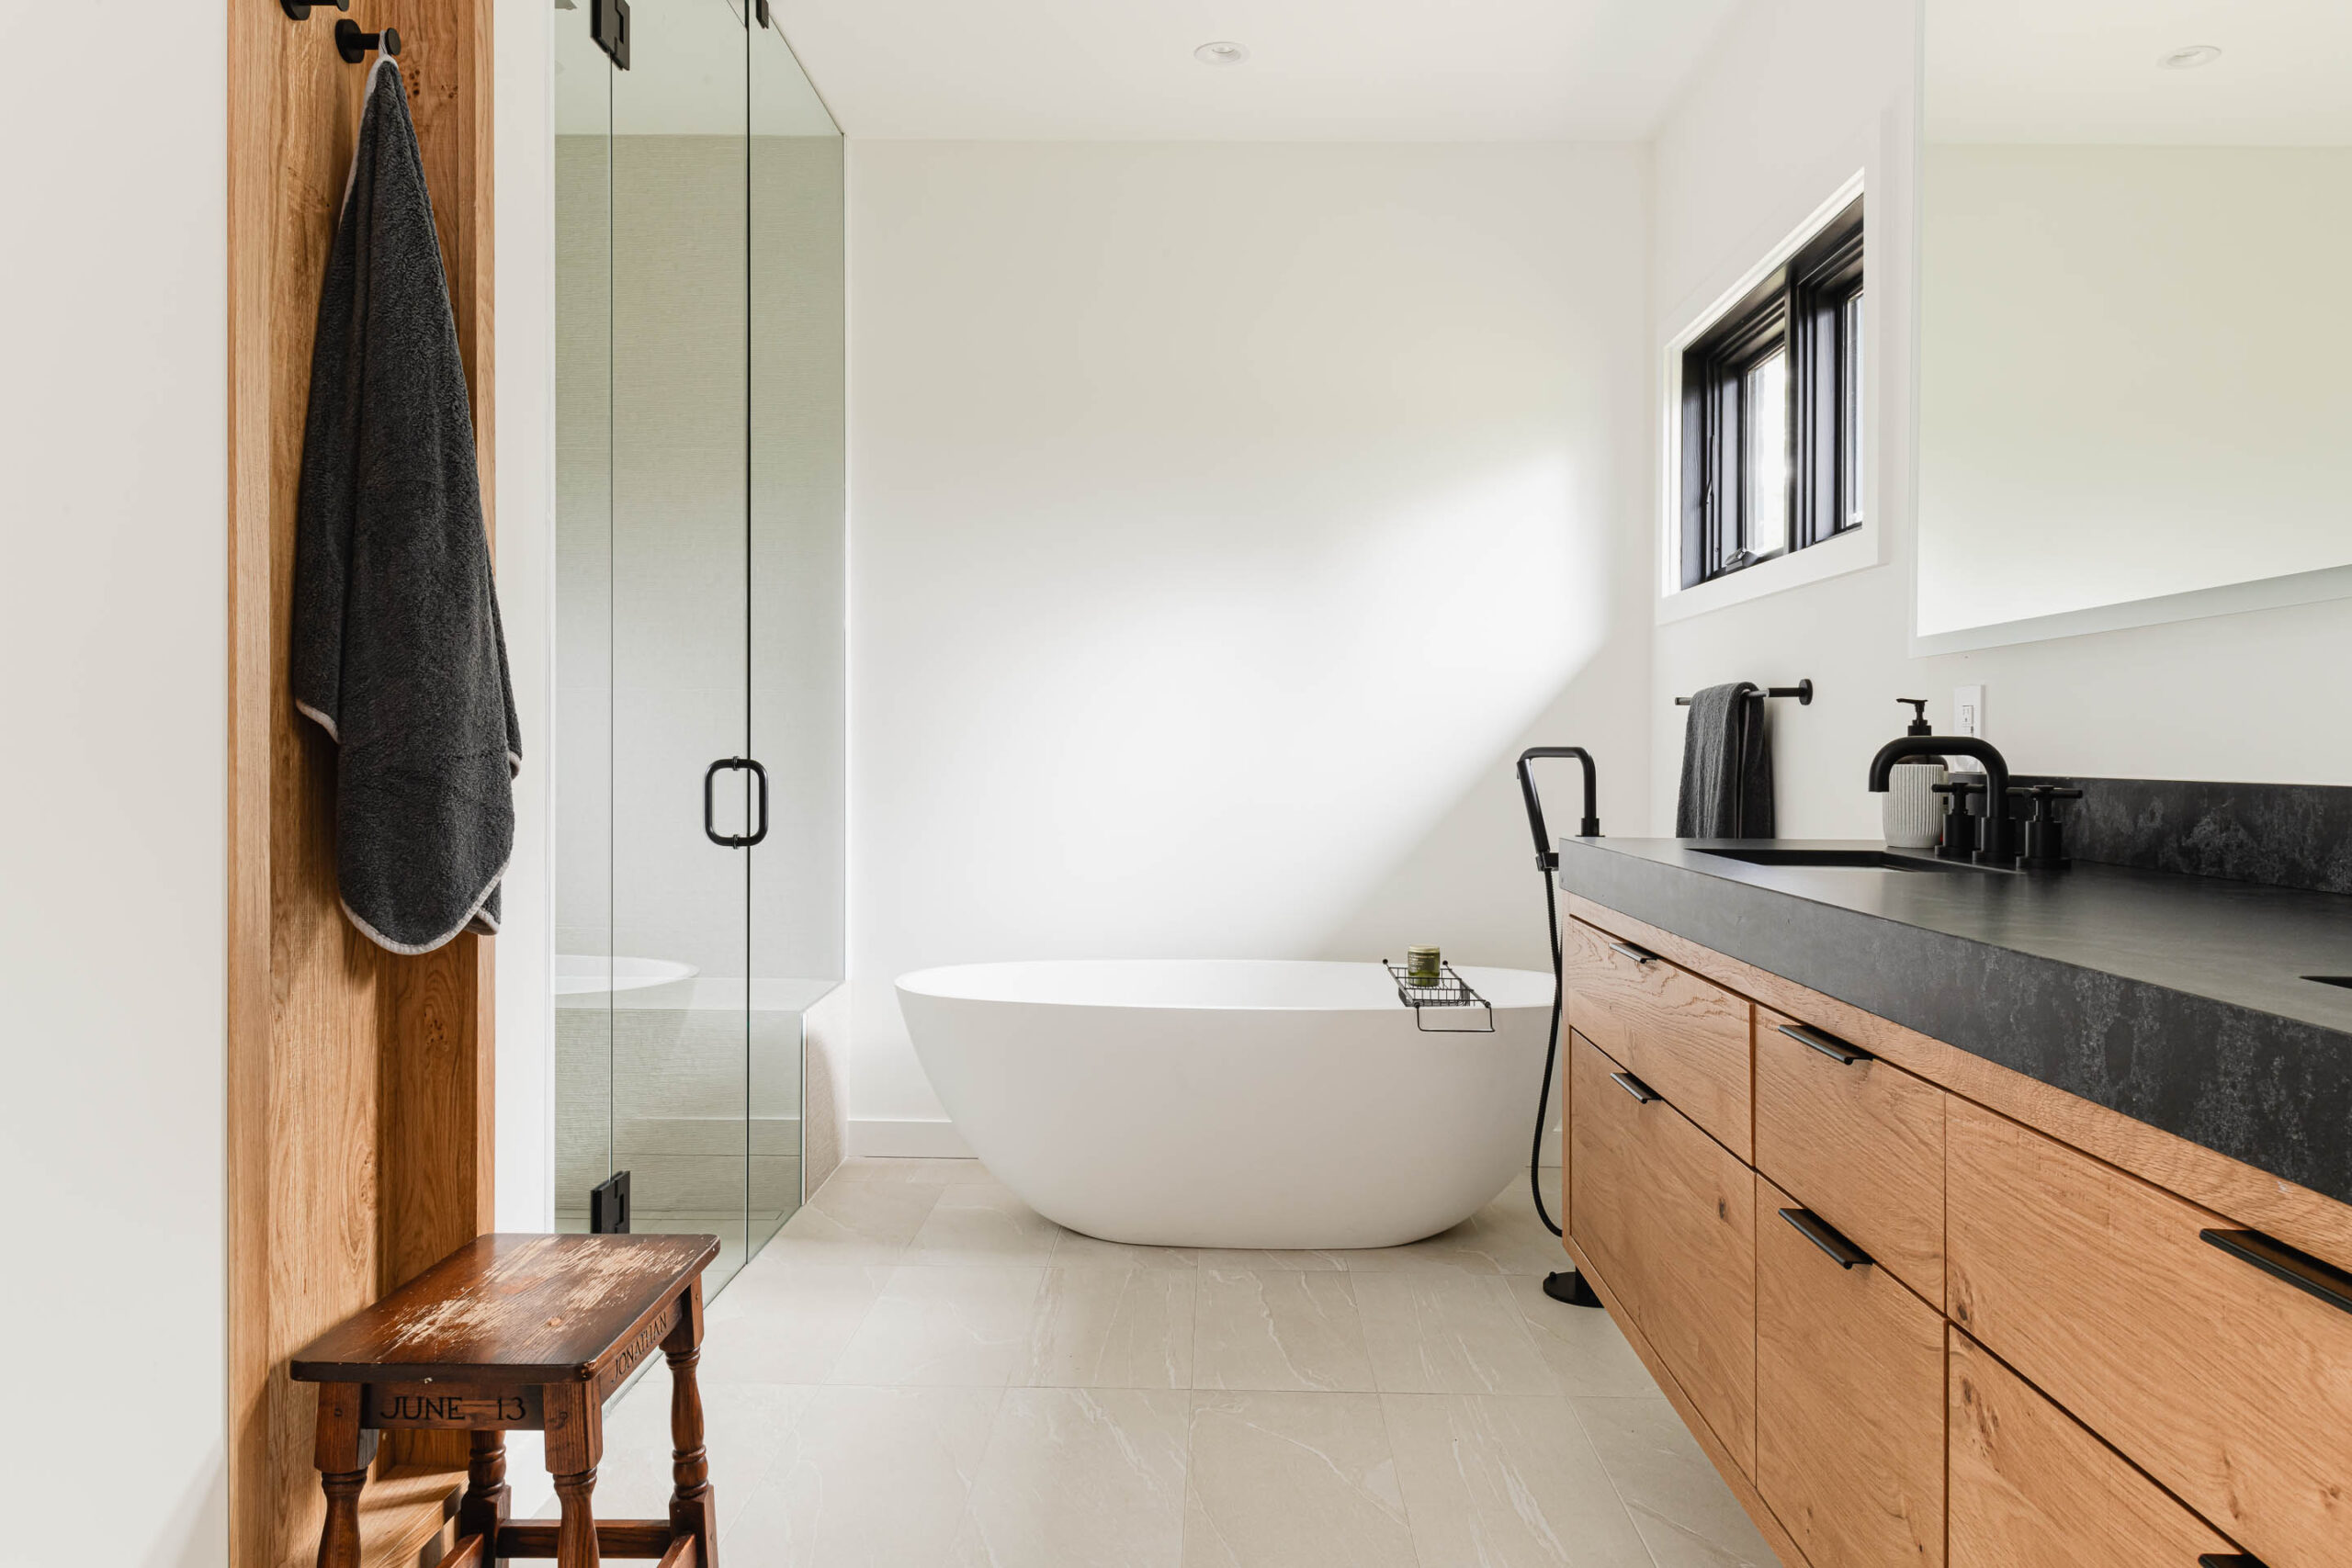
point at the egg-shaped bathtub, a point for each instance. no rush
(1232, 1103)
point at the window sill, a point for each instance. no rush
(1856, 550)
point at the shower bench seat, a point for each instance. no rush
(529, 1333)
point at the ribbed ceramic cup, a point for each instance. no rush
(1914, 813)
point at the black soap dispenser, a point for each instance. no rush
(1911, 812)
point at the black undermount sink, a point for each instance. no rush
(1875, 860)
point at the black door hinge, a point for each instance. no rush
(608, 25)
(608, 1206)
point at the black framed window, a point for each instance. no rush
(1772, 411)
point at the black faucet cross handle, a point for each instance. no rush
(2044, 799)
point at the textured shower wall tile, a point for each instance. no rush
(931, 1326)
(1292, 1480)
(1586, 1350)
(1687, 1515)
(1105, 1328)
(1492, 1482)
(870, 1478)
(1448, 1334)
(1091, 1476)
(1278, 1329)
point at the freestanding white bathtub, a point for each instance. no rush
(1232, 1103)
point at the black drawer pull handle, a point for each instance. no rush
(1635, 1087)
(2228, 1560)
(1819, 1231)
(2301, 1270)
(1829, 1046)
(1638, 955)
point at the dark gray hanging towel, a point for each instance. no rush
(1726, 767)
(397, 649)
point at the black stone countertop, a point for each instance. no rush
(2178, 1000)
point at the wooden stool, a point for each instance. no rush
(531, 1333)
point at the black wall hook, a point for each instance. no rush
(300, 9)
(354, 45)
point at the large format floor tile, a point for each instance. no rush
(920, 1372)
(1498, 1482)
(1293, 1480)
(1275, 1330)
(1077, 1475)
(1113, 1328)
(1687, 1515)
(1448, 1334)
(969, 1326)
(870, 1478)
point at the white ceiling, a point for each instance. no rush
(2087, 72)
(1318, 71)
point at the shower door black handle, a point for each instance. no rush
(709, 821)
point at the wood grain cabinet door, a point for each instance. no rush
(1858, 1141)
(2029, 1485)
(1604, 1172)
(1686, 1037)
(2227, 1383)
(1849, 1398)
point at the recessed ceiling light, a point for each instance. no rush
(2190, 59)
(1223, 53)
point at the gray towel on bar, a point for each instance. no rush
(1726, 767)
(397, 650)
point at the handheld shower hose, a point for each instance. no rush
(1567, 1285)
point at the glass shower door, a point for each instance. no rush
(799, 572)
(700, 647)
(686, 802)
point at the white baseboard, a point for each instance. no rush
(908, 1139)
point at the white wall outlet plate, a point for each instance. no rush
(1968, 710)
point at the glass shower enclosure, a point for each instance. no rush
(699, 670)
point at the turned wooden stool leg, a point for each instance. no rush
(693, 1509)
(343, 1453)
(575, 1433)
(483, 1507)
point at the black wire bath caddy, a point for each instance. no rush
(1452, 995)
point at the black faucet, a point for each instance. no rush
(1992, 847)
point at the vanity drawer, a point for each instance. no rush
(1668, 1218)
(1858, 1142)
(1685, 1037)
(1604, 1172)
(2032, 1484)
(1849, 1397)
(2228, 1384)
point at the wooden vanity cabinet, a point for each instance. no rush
(1684, 1036)
(2030, 1485)
(1668, 1216)
(1979, 1346)
(1858, 1139)
(1849, 1378)
(2228, 1384)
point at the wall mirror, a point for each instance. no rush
(2135, 350)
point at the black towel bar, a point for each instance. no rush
(1802, 691)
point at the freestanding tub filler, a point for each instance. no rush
(1231, 1103)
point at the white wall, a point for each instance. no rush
(1795, 96)
(113, 641)
(1225, 520)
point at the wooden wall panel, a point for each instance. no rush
(359, 1086)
